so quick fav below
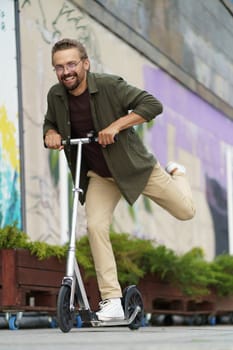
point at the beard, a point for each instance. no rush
(70, 86)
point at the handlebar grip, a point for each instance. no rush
(93, 135)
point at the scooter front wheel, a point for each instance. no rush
(65, 317)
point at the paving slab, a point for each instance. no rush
(120, 338)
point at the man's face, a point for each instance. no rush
(71, 69)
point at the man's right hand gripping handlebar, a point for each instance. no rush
(53, 140)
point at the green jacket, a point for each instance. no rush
(110, 97)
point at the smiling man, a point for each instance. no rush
(81, 102)
(72, 77)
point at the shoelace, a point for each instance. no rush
(103, 303)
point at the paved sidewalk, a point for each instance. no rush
(146, 338)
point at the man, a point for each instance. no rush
(83, 101)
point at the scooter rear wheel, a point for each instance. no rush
(131, 299)
(65, 317)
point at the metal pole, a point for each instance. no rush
(64, 209)
(20, 113)
(229, 164)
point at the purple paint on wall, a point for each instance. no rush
(200, 129)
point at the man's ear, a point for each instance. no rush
(87, 64)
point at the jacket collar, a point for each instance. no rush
(91, 83)
(60, 91)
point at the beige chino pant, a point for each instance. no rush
(172, 193)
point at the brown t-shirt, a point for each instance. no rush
(81, 125)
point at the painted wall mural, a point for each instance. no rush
(10, 196)
(42, 23)
(198, 139)
(189, 131)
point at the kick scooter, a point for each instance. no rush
(72, 298)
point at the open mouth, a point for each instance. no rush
(69, 78)
(70, 81)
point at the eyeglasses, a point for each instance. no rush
(70, 66)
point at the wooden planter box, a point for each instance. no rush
(27, 283)
(224, 305)
(160, 297)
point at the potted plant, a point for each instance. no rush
(31, 274)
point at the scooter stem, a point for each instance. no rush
(76, 190)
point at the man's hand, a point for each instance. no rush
(107, 135)
(53, 140)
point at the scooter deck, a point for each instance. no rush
(116, 322)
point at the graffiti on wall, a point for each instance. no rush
(9, 177)
(10, 196)
(198, 134)
(65, 20)
(42, 24)
(188, 131)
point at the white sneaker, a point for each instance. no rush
(110, 309)
(173, 167)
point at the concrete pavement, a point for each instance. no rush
(146, 338)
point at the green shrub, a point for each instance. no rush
(193, 273)
(12, 237)
(163, 261)
(43, 250)
(84, 257)
(222, 268)
(137, 257)
(131, 257)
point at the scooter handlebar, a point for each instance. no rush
(90, 138)
(79, 140)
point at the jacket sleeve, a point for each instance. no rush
(137, 100)
(50, 116)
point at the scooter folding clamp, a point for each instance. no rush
(77, 190)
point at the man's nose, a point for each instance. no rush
(65, 69)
